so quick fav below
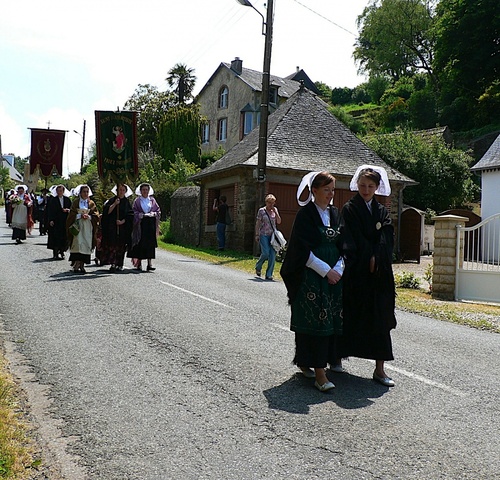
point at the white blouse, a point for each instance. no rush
(318, 265)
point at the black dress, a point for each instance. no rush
(115, 238)
(369, 298)
(57, 240)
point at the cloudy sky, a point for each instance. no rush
(62, 60)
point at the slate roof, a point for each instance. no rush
(491, 159)
(304, 136)
(253, 79)
(13, 173)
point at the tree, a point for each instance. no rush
(341, 95)
(395, 38)
(325, 91)
(180, 129)
(467, 50)
(180, 170)
(443, 173)
(152, 106)
(5, 181)
(182, 79)
(376, 86)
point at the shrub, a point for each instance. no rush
(165, 233)
(428, 276)
(407, 280)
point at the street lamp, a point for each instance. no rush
(83, 144)
(267, 31)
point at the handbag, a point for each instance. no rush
(278, 242)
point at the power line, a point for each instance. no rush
(324, 18)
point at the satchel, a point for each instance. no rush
(74, 229)
(278, 241)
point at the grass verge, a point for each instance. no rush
(16, 452)
(480, 316)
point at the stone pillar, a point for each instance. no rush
(444, 268)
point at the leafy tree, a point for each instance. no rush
(19, 164)
(467, 49)
(180, 129)
(395, 38)
(360, 94)
(182, 79)
(376, 86)
(152, 106)
(422, 109)
(443, 173)
(5, 182)
(489, 104)
(341, 95)
(325, 92)
(180, 170)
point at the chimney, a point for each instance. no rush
(237, 65)
(297, 69)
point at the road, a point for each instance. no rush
(186, 373)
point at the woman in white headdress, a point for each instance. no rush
(312, 272)
(58, 208)
(116, 227)
(369, 291)
(146, 227)
(22, 206)
(81, 228)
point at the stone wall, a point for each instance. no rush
(185, 219)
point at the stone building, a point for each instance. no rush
(230, 102)
(303, 136)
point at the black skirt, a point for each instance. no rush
(314, 351)
(147, 245)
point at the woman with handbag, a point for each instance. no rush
(267, 219)
(312, 272)
(81, 228)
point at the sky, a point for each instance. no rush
(62, 60)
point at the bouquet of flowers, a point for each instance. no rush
(15, 200)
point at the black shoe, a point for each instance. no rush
(18, 241)
(150, 268)
(112, 268)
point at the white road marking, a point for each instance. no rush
(197, 295)
(281, 327)
(422, 379)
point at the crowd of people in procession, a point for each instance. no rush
(71, 221)
(337, 269)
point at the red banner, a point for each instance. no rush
(46, 151)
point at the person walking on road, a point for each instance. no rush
(58, 207)
(267, 219)
(22, 207)
(81, 227)
(116, 225)
(146, 227)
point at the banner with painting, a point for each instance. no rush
(116, 141)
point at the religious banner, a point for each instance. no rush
(46, 151)
(116, 138)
